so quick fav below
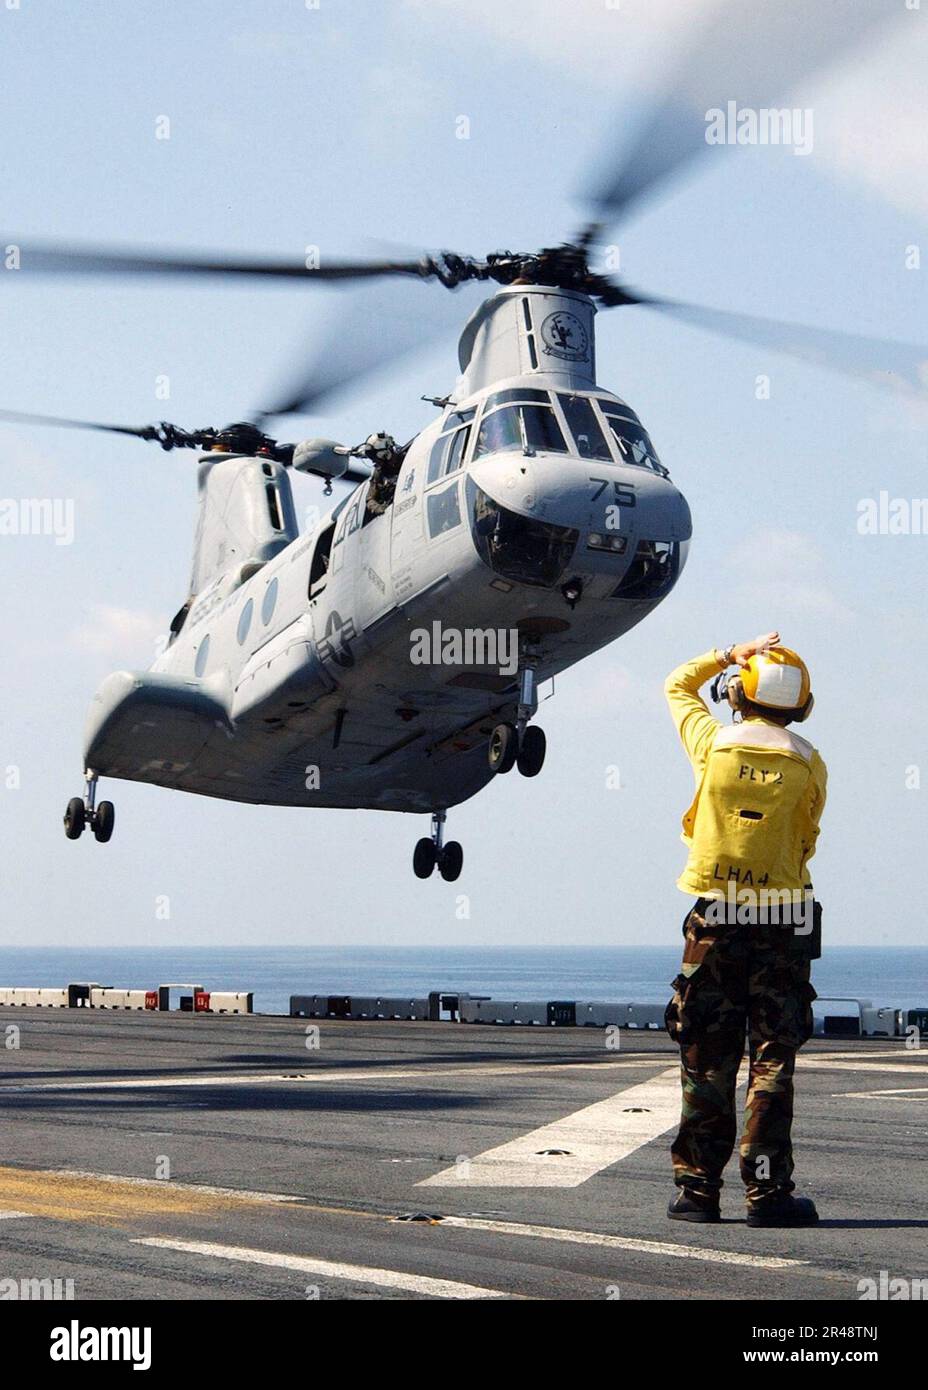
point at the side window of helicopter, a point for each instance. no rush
(444, 510)
(589, 440)
(634, 443)
(269, 602)
(447, 454)
(244, 621)
(354, 515)
(319, 567)
(199, 666)
(527, 428)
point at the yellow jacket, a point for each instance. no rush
(760, 792)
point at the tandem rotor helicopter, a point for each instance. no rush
(535, 504)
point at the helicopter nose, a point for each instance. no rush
(611, 508)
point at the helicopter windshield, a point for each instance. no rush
(528, 428)
(527, 551)
(633, 440)
(587, 432)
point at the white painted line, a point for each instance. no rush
(648, 1247)
(384, 1074)
(878, 1095)
(815, 1064)
(328, 1269)
(168, 1184)
(594, 1138)
(10, 1215)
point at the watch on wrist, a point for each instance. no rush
(725, 655)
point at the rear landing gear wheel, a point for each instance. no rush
(532, 752)
(504, 748)
(103, 821)
(451, 861)
(424, 858)
(74, 818)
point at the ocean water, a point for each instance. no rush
(885, 975)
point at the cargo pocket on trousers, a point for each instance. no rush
(798, 1022)
(676, 1020)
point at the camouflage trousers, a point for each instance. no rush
(738, 980)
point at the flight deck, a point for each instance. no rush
(170, 1155)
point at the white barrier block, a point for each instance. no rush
(34, 998)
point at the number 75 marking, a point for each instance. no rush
(624, 495)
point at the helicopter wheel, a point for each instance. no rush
(104, 821)
(532, 752)
(450, 861)
(74, 818)
(424, 858)
(504, 748)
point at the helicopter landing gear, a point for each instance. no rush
(432, 851)
(81, 812)
(520, 745)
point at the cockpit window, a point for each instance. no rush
(581, 418)
(527, 428)
(455, 418)
(634, 442)
(515, 393)
(652, 573)
(527, 551)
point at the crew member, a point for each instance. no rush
(753, 930)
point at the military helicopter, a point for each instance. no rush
(532, 514)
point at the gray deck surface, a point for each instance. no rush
(350, 1129)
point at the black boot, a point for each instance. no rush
(782, 1209)
(691, 1205)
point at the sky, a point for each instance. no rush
(338, 125)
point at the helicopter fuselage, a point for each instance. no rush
(535, 508)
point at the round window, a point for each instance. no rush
(268, 602)
(244, 622)
(199, 665)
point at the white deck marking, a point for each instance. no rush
(893, 1094)
(594, 1137)
(10, 1215)
(648, 1247)
(813, 1064)
(201, 1189)
(328, 1269)
(386, 1074)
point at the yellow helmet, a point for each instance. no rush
(777, 679)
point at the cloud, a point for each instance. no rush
(127, 636)
(784, 573)
(870, 117)
(869, 106)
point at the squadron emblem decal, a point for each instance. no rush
(565, 336)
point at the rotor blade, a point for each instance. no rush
(48, 259)
(881, 361)
(745, 56)
(366, 332)
(22, 417)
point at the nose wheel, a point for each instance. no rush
(520, 744)
(82, 812)
(431, 852)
